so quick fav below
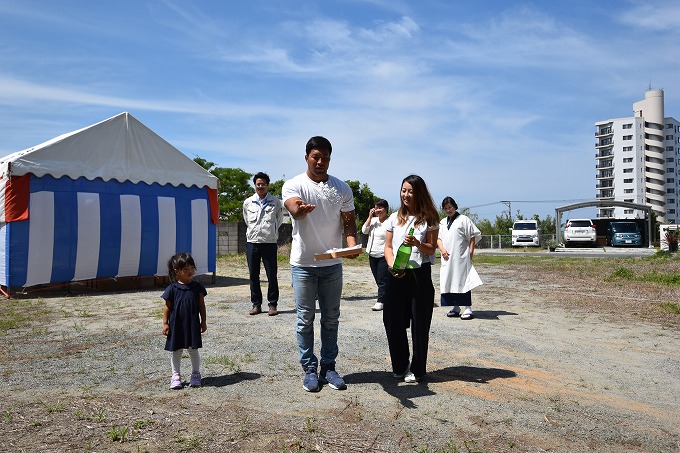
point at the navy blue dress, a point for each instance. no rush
(184, 319)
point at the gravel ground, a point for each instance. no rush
(546, 366)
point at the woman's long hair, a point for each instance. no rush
(423, 208)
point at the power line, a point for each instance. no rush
(527, 201)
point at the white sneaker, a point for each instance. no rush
(378, 306)
(410, 378)
(467, 313)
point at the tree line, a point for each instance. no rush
(236, 185)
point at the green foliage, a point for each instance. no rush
(363, 200)
(621, 273)
(670, 307)
(235, 186)
(275, 187)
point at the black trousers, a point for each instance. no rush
(256, 252)
(409, 301)
(381, 273)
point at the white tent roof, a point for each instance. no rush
(120, 148)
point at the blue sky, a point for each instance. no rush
(487, 100)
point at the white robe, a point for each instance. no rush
(457, 274)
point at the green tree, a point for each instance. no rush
(363, 200)
(275, 187)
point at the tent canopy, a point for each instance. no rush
(120, 148)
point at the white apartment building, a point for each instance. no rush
(637, 160)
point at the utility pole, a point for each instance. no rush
(509, 205)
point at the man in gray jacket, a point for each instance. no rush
(263, 214)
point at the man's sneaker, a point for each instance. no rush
(311, 381)
(453, 313)
(410, 378)
(378, 306)
(195, 380)
(176, 382)
(333, 379)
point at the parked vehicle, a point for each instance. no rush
(580, 231)
(624, 233)
(526, 233)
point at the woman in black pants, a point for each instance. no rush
(409, 298)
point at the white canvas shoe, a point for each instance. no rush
(378, 306)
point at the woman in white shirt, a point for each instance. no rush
(409, 299)
(374, 227)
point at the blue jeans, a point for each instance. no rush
(325, 285)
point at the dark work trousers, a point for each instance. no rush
(256, 252)
(381, 273)
(409, 300)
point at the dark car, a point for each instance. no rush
(624, 233)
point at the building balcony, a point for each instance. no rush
(604, 132)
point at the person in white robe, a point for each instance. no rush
(457, 276)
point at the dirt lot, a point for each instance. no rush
(558, 359)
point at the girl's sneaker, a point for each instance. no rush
(195, 380)
(176, 382)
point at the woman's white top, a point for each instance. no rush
(376, 237)
(399, 232)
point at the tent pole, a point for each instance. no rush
(5, 293)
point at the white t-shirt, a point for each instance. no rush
(321, 229)
(399, 232)
(376, 238)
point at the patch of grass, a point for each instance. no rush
(140, 424)
(7, 416)
(311, 426)
(224, 361)
(11, 319)
(118, 434)
(187, 443)
(56, 407)
(670, 307)
(621, 273)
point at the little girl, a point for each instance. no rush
(184, 317)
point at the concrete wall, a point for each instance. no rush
(231, 237)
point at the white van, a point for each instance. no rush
(526, 233)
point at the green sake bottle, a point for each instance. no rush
(402, 258)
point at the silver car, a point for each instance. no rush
(580, 231)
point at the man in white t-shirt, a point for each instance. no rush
(322, 209)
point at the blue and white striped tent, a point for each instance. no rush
(110, 200)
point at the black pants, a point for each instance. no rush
(409, 301)
(256, 252)
(381, 274)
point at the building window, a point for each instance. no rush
(627, 211)
(671, 211)
(670, 180)
(671, 200)
(628, 137)
(627, 190)
(669, 126)
(628, 181)
(628, 148)
(670, 159)
(628, 126)
(628, 170)
(670, 170)
(669, 148)
(669, 137)
(671, 190)
(627, 160)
